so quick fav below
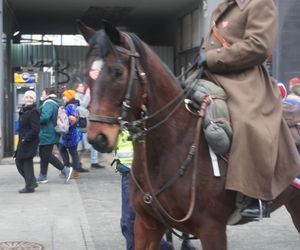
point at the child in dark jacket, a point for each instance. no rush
(29, 127)
(69, 141)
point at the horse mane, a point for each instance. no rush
(140, 47)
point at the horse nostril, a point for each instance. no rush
(100, 143)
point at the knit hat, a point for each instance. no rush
(31, 94)
(282, 90)
(70, 94)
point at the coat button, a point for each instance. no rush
(219, 50)
(212, 43)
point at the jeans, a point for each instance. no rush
(94, 156)
(128, 213)
(84, 145)
(25, 168)
(47, 157)
(64, 152)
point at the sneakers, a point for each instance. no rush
(42, 179)
(67, 171)
(96, 166)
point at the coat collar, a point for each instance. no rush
(226, 3)
(242, 3)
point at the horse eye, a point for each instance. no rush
(116, 72)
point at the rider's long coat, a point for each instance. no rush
(263, 159)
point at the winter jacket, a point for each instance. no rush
(48, 111)
(74, 135)
(29, 128)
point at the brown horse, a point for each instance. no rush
(172, 184)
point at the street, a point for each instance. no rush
(84, 215)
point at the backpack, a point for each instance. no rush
(62, 122)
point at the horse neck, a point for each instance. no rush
(169, 143)
(162, 86)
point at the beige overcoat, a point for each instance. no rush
(263, 158)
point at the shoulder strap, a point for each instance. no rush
(219, 36)
(50, 100)
(215, 30)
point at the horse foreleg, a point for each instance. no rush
(147, 237)
(213, 236)
(293, 206)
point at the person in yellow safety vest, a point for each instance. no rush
(124, 151)
(124, 158)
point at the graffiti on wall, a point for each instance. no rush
(64, 71)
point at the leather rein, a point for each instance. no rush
(138, 129)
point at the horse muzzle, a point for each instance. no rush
(100, 143)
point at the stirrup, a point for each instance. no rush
(268, 205)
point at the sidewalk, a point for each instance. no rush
(55, 216)
(85, 214)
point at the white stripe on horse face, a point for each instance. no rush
(95, 69)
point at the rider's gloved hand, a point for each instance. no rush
(202, 59)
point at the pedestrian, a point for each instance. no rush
(68, 142)
(29, 127)
(292, 99)
(294, 95)
(84, 96)
(294, 82)
(49, 137)
(263, 158)
(124, 159)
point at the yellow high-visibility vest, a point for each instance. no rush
(124, 149)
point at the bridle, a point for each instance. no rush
(137, 127)
(126, 103)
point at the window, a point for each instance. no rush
(188, 30)
(67, 40)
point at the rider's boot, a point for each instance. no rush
(257, 209)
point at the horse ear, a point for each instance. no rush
(112, 32)
(86, 31)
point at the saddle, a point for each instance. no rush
(291, 114)
(216, 124)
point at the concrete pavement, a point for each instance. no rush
(84, 215)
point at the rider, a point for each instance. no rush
(263, 158)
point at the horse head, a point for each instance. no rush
(112, 77)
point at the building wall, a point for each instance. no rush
(9, 27)
(1, 80)
(286, 57)
(192, 28)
